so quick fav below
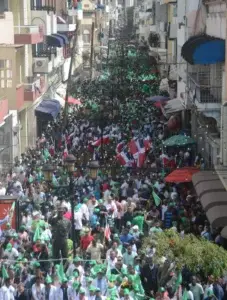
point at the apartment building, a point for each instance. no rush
(35, 54)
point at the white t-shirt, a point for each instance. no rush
(2, 191)
(78, 216)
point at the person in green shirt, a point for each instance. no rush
(139, 220)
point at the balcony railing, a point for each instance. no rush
(28, 29)
(204, 93)
(46, 53)
(213, 2)
(48, 6)
(34, 88)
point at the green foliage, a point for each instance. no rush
(197, 254)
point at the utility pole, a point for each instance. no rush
(73, 55)
(92, 48)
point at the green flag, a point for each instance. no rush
(5, 274)
(156, 198)
(61, 274)
(37, 235)
(185, 295)
(178, 281)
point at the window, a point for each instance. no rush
(6, 73)
(86, 37)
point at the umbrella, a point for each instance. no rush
(157, 98)
(178, 140)
(181, 175)
(159, 104)
(72, 100)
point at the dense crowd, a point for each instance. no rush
(111, 217)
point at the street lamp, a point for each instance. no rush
(93, 169)
(69, 163)
(48, 172)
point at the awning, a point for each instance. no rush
(55, 40)
(48, 109)
(172, 106)
(213, 197)
(63, 36)
(203, 49)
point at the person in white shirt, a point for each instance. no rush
(49, 289)
(110, 204)
(115, 249)
(38, 290)
(85, 211)
(92, 204)
(11, 252)
(111, 260)
(124, 188)
(2, 190)
(7, 291)
(78, 223)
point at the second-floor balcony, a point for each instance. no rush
(46, 5)
(28, 34)
(205, 83)
(213, 2)
(34, 88)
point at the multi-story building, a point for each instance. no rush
(201, 85)
(35, 54)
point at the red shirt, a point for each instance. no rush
(85, 241)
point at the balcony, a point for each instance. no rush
(213, 2)
(28, 34)
(49, 5)
(4, 108)
(66, 27)
(205, 84)
(34, 89)
(19, 96)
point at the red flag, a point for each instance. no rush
(168, 162)
(123, 159)
(133, 147)
(107, 232)
(105, 140)
(119, 147)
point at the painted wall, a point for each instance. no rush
(7, 28)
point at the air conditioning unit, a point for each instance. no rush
(40, 65)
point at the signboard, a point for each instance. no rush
(5, 206)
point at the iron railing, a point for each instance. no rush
(204, 93)
(45, 53)
(48, 6)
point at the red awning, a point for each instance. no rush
(181, 175)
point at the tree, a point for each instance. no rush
(196, 254)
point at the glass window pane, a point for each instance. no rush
(9, 74)
(2, 73)
(9, 83)
(8, 64)
(2, 63)
(2, 83)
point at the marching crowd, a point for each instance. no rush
(112, 214)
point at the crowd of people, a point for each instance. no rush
(100, 256)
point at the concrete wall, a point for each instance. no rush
(7, 28)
